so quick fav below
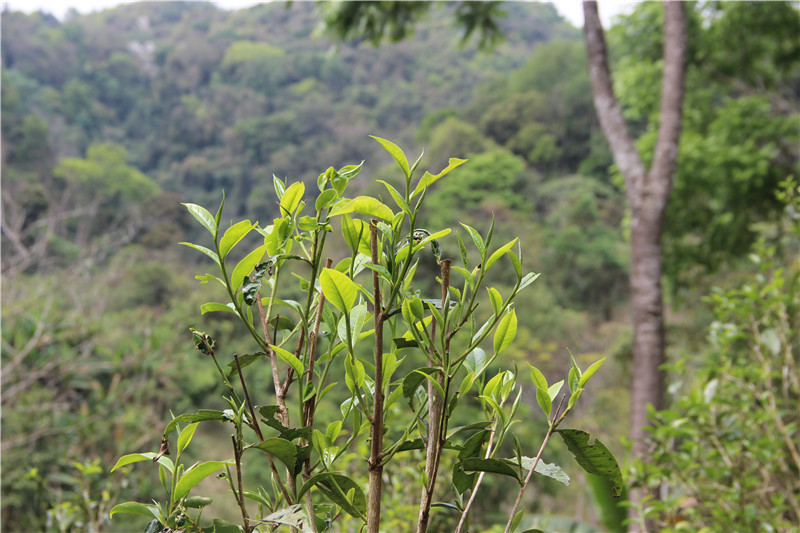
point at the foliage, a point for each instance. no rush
(741, 128)
(314, 348)
(727, 448)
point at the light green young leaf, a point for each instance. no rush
(195, 475)
(428, 178)
(185, 436)
(366, 205)
(590, 372)
(204, 217)
(233, 235)
(210, 253)
(356, 234)
(289, 358)
(496, 299)
(476, 238)
(209, 307)
(138, 457)
(498, 254)
(554, 389)
(396, 153)
(325, 199)
(291, 198)
(338, 289)
(506, 331)
(538, 378)
(544, 401)
(398, 198)
(246, 266)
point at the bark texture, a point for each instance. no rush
(647, 193)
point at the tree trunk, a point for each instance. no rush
(647, 193)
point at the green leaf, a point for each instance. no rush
(550, 470)
(280, 448)
(356, 234)
(219, 525)
(233, 235)
(475, 361)
(476, 238)
(210, 253)
(138, 457)
(325, 199)
(366, 205)
(335, 487)
(197, 502)
(338, 289)
(496, 466)
(396, 153)
(291, 198)
(495, 299)
(210, 307)
(506, 331)
(398, 199)
(200, 416)
(590, 372)
(147, 510)
(538, 378)
(527, 280)
(593, 457)
(289, 358)
(195, 475)
(185, 436)
(516, 262)
(293, 516)
(498, 254)
(204, 217)
(517, 519)
(415, 378)
(428, 178)
(554, 389)
(544, 401)
(246, 266)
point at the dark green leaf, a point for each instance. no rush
(280, 448)
(497, 466)
(335, 487)
(593, 457)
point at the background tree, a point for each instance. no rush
(647, 192)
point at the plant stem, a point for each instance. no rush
(376, 439)
(237, 454)
(256, 426)
(550, 431)
(436, 423)
(465, 513)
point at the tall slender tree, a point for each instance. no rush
(647, 192)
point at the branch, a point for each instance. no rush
(608, 109)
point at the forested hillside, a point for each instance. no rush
(111, 119)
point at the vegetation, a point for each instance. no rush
(112, 119)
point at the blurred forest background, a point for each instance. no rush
(111, 119)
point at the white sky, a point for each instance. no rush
(570, 9)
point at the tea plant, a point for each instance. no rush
(362, 330)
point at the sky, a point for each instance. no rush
(570, 9)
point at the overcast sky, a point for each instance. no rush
(571, 9)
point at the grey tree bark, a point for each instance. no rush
(647, 193)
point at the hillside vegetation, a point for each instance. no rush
(110, 120)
